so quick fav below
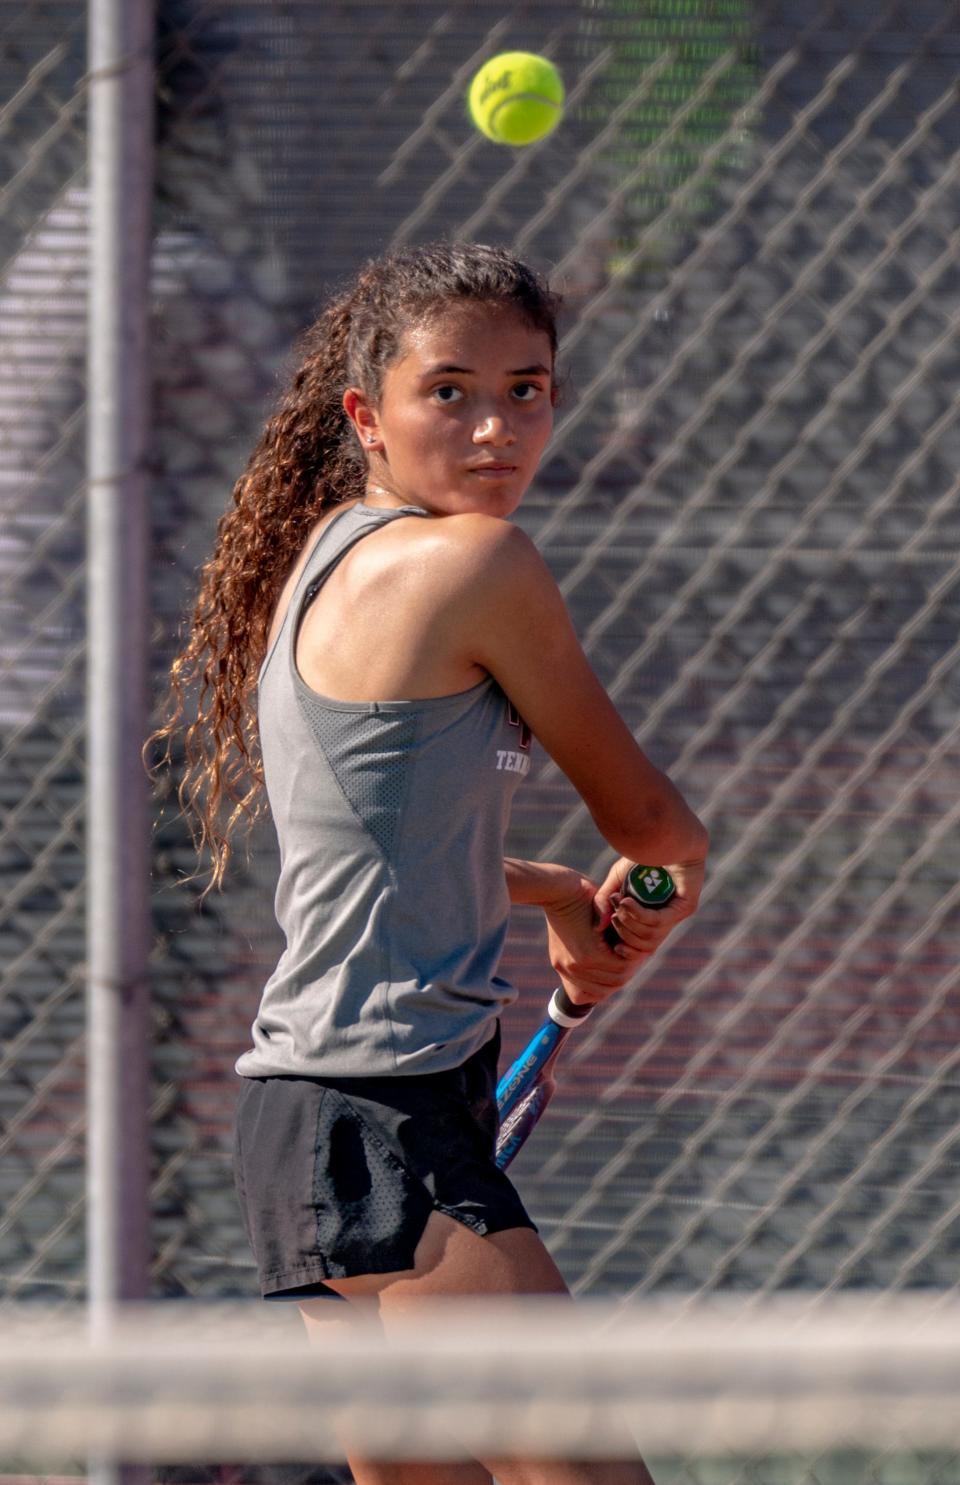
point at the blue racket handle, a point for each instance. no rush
(651, 885)
(523, 1073)
(562, 1015)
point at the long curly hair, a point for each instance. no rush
(307, 460)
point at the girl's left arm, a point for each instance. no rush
(575, 943)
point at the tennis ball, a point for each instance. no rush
(516, 98)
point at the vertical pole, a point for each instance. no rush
(121, 87)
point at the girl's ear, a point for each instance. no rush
(364, 419)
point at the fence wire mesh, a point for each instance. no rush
(42, 323)
(750, 503)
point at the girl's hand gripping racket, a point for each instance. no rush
(528, 1085)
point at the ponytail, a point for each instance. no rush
(305, 462)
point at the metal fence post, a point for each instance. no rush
(121, 145)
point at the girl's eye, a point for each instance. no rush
(525, 391)
(447, 393)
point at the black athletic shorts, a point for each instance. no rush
(337, 1176)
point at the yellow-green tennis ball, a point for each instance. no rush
(516, 98)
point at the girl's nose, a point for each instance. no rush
(495, 428)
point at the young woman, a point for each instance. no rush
(373, 624)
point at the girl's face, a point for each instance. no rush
(464, 415)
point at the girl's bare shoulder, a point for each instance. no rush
(469, 547)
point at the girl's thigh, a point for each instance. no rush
(451, 1259)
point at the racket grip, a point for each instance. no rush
(564, 1011)
(651, 886)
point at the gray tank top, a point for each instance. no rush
(392, 898)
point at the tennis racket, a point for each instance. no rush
(529, 1083)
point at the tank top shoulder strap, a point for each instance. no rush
(335, 541)
(338, 536)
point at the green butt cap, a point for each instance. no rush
(652, 886)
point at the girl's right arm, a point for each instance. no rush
(504, 612)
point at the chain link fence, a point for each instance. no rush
(42, 250)
(750, 503)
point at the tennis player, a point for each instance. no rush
(373, 623)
